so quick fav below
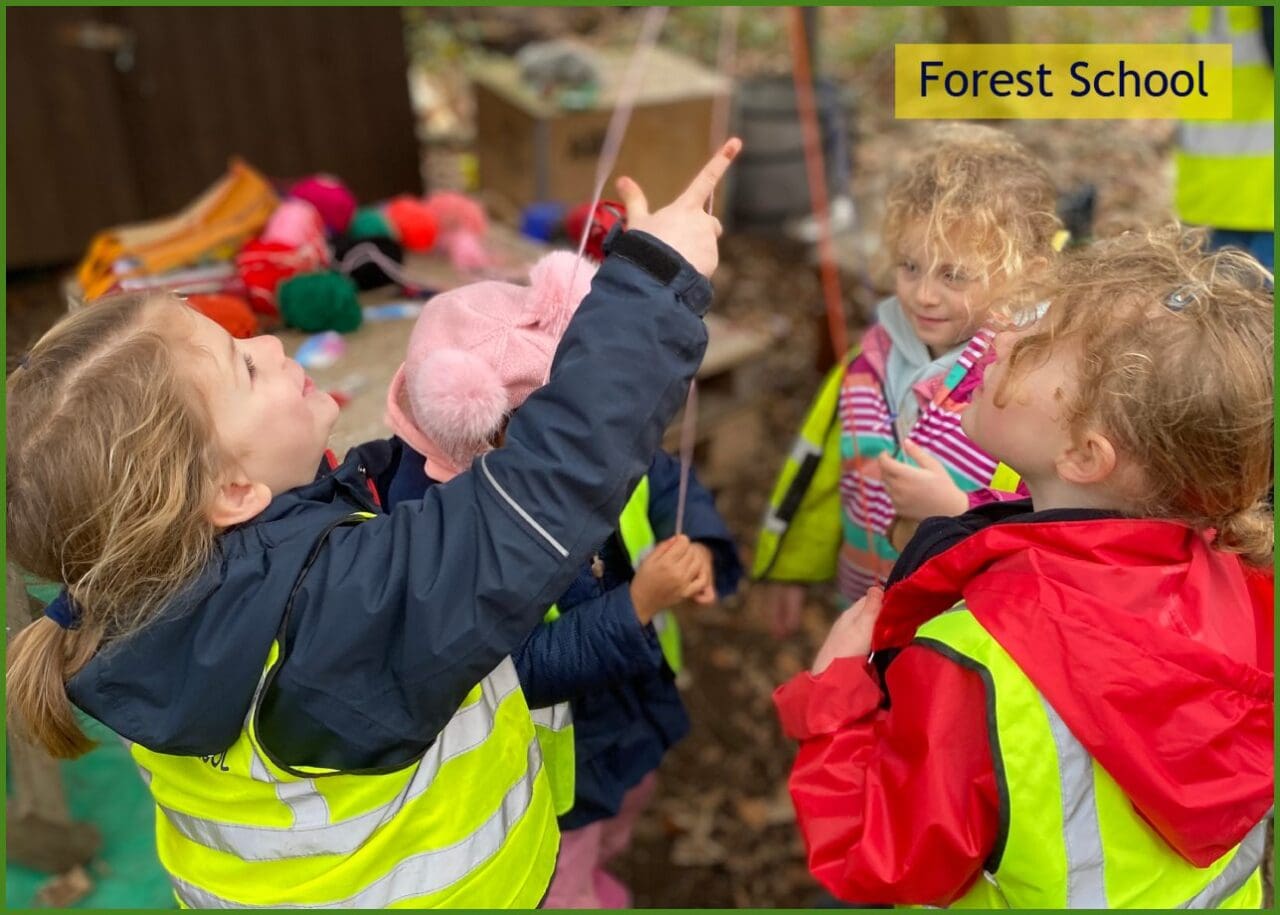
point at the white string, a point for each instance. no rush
(630, 87)
(719, 133)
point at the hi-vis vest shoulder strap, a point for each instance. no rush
(1226, 178)
(639, 539)
(1069, 837)
(554, 724)
(804, 508)
(468, 824)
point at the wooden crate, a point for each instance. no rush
(531, 150)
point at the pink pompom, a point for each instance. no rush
(295, 223)
(458, 401)
(413, 222)
(456, 212)
(466, 252)
(558, 283)
(331, 198)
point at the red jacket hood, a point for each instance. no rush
(1149, 644)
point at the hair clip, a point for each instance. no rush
(1179, 299)
(23, 360)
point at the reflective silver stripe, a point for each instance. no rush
(643, 554)
(660, 621)
(467, 729)
(520, 511)
(1246, 47)
(142, 770)
(429, 872)
(773, 524)
(554, 718)
(1249, 138)
(1247, 859)
(258, 770)
(1081, 834)
(802, 448)
(308, 805)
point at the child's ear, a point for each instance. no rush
(237, 501)
(1091, 460)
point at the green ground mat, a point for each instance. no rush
(103, 787)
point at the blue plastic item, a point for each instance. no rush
(542, 221)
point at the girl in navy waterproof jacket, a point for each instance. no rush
(221, 595)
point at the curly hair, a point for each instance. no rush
(1177, 352)
(980, 185)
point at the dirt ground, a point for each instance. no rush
(720, 831)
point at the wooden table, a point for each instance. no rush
(377, 349)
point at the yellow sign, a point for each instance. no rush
(950, 81)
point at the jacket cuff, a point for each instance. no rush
(643, 649)
(844, 693)
(726, 566)
(663, 263)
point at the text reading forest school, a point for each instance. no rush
(1186, 81)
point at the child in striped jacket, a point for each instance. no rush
(970, 226)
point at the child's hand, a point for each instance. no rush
(673, 572)
(850, 636)
(783, 605)
(924, 491)
(707, 571)
(684, 224)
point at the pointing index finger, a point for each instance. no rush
(704, 183)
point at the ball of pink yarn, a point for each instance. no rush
(331, 198)
(295, 223)
(456, 212)
(413, 222)
(466, 251)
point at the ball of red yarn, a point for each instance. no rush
(230, 311)
(413, 222)
(264, 265)
(456, 212)
(330, 197)
(607, 213)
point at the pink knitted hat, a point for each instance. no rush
(475, 355)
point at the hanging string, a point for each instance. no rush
(628, 90)
(725, 52)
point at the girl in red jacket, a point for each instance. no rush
(1069, 701)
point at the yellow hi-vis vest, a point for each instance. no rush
(804, 507)
(1226, 176)
(554, 724)
(1069, 836)
(468, 824)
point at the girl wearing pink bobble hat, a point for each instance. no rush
(604, 660)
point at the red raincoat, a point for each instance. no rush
(1153, 647)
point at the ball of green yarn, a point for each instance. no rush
(319, 301)
(368, 223)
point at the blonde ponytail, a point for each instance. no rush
(42, 657)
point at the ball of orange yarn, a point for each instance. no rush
(413, 222)
(230, 311)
